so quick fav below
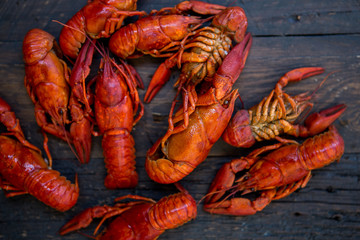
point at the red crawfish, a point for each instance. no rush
(203, 52)
(160, 35)
(187, 144)
(46, 81)
(276, 175)
(23, 170)
(277, 113)
(144, 219)
(98, 19)
(116, 104)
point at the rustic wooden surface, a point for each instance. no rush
(287, 34)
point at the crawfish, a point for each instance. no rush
(277, 113)
(46, 81)
(23, 170)
(144, 219)
(116, 103)
(98, 19)
(275, 175)
(159, 35)
(206, 50)
(187, 144)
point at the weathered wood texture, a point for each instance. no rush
(287, 34)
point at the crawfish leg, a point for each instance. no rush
(294, 76)
(10, 190)
(46, 148)
(287, 190)
(241, 206)
(186, 110)
(116, 21)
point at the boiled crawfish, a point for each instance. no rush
(98, 19)
(277, 113)
(116, 104)
(160, 35)
(275, 175)
(203, 52)
(186, 145)
(23, 170)
(46, 81)
(144, 219)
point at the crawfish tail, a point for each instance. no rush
(119, 153)
(172, 211)
(36, 45)
(163, 170)
(72, 35)
(52, 189)
(124, 41)
(322, 149)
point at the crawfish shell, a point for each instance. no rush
(36, 45)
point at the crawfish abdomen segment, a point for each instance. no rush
(183, 210)
(70, 39)
(322, 149)
(53, 190)
(36, 45)
(119, 153)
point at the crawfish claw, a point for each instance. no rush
(223, 180)
(199, 7)
(234, 206)
(318, 122)
(83, 219)
(298, 74)
(161, 76)
(81, 135)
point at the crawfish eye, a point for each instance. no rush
(61, 112)
(246, 178)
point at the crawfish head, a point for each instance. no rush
(232, 20)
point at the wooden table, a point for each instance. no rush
(287, 34)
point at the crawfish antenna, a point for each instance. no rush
(321, 83)
(76, 29)
(219, 191)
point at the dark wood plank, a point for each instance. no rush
(287, 34)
